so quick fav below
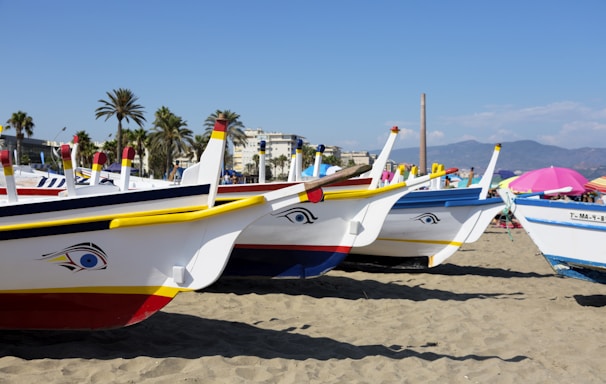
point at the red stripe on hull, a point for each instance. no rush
(35, 191)
(78, 311)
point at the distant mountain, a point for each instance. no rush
(521, 155)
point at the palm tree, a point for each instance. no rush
(234, 133)
(21, 122)
(139, 138)
(198, 146)
(109, 147)
(281, 160)
(169, 136)
(256, 160)
(86, 150)
(332, 160)
(274, 163)
(122, 103)
(309, 156)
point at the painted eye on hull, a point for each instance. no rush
(79, 257)
(297, 215)
(427, 218)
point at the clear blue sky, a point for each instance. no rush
(337, 72)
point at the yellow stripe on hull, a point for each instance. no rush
(55, 223)
(117, 290)
(186, 216)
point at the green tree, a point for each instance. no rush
(256, 160)
(86, 150)
(139, 138)
(281, 161)
(234, 134)
(109, 147)
(170, 136)
(332, 160)
(198, 146)
(309, 156)
(274, 164)
(127, 138)
(23, 125)
(123, 104)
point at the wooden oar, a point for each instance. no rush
(313, 187)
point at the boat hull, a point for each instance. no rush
(308, 240)
(426, 227)
(283, 262)
(303, 241)
(568, 234)
(77, 310)
(85, 278)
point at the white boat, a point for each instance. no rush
(307, 240)
(67, 263)
(426, 227)
(568, 233)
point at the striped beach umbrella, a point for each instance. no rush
(597, 184)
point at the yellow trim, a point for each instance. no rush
(303, 197)
(364, 193)
(97, 167)
(230, 199)
(186, 216)
(127, 162)
(140, 290)
(8, 171)
(67, 164)
(218, 135)
(81, 220)
(360, 193)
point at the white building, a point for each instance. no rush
(357, 157)
(276, 144)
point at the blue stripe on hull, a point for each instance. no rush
(578, 269)
(280, 263)
(438, 198)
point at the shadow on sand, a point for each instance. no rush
(184, 336)
(443, 269)
(591, 300)
(347, 288)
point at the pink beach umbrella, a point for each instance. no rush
(550, 178)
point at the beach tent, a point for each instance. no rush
(117, 167)
(325, 169)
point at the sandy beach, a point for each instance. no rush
(494, 313)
